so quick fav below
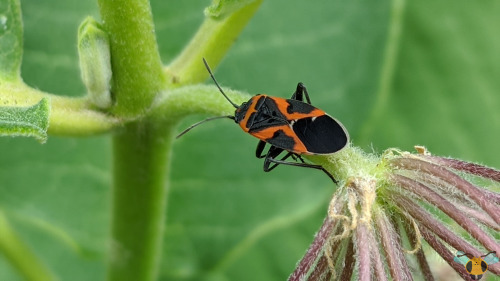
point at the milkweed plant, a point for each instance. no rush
(387, 214)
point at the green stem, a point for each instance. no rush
(74, 117)
(136, 64)
(195, 99)
(212, 41)
(141, 154)
(351, 161)
(141, 150)
(68, 116)
(20, 255)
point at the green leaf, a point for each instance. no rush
(11, 39)
(32, 121)
(443, 92)
(222, 8)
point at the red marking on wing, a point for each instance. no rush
(268, 133)
(283, 105)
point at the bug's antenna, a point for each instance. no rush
(201, 122)
(466, 254)
(217, 84)
(494, 252)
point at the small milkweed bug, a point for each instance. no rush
(290, 125)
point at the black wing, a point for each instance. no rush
(322, 134)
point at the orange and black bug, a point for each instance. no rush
(290, 125)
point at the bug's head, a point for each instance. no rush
(241, 111)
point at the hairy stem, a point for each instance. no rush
(140, 159)
(212, 41)
(420, 255)
(141, 149)
(427, 221)
(467, 167)
(195, 99)
(480, 216)
(475, 193)
(363, 240)
(349, 262)
(314, 251)
(68, 116)
(392, 247)
(444, 253)
(320, 271)
(448, 208)
(137, 69)
(379, 265)
(323, 269)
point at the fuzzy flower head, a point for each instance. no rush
(387, 208)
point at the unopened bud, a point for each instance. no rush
(95, 62)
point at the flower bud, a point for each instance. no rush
(95, 62)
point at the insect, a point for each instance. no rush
(476, 266)
(287, 125)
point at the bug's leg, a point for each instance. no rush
(260, 148)
(271, 154)
(300, 92)
(281, 161)
(296, 156)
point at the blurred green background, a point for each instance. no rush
(396, 73)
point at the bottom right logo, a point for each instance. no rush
(476, 266)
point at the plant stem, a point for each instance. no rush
(447, 207)
(472, 191)
(364, 263)
(136, 63)
(141, 150)
(69, 116)
(314, 251)
(140, 162)
(212, 41)
(178, 103)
